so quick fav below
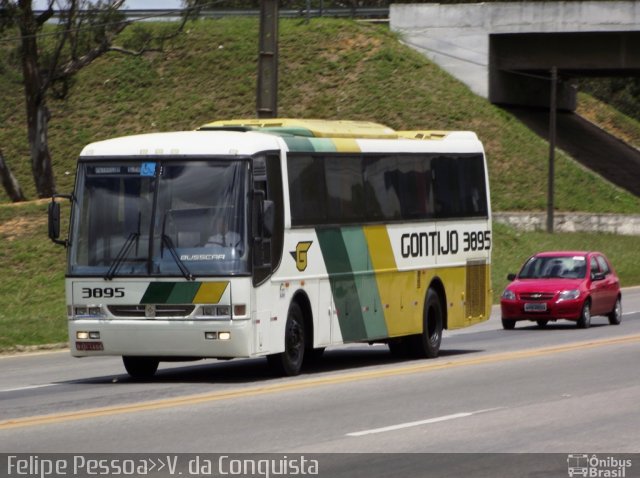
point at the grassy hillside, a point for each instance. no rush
(328, 69)
(609, 119)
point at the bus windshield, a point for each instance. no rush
(160, 218)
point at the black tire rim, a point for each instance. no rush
(434, 326)
(295, 340)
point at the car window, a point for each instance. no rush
(594, 265)
(545, 267)
(604, 267)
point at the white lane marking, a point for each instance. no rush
(419, 422)
(29, 387)
(631, 313)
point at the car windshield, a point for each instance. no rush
(564, 267)
(170, 217)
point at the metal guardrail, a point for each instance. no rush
(377, 13)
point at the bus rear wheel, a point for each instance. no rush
(140, 367)
(289, 362)
(427, 344)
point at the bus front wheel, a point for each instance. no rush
(140, 367)
(289, 362)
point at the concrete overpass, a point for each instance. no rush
(505, 51)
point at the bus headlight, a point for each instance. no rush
(84, 335)
(87, 311)
(215, 311)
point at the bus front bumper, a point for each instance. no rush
(161, 338)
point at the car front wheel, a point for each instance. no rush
(584, 322)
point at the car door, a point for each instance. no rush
(610, 286)
(597, 288)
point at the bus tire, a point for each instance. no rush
(140, 367)
(427, 344)
(289, 362)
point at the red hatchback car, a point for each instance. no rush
(567, 285)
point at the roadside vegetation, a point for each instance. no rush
(334, 69)
(609, 119)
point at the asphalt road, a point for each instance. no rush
(492, 395)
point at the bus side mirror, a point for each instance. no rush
(268, 218)
(54, 219)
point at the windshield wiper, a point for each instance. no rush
(166, 240)
(122, 254)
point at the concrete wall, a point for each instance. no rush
(572, 222)
(456, 37)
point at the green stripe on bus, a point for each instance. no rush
(323, 145)
(183, 293)
(157, 292)
(365, 281)
(295, 143)
(170, 293)
(343, 285)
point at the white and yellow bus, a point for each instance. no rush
(275, 238)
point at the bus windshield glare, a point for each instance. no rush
(164, 218)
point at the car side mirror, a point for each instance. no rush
(511, 277)
(595, 276)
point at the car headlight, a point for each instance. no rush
(509, 295)
(569, 294)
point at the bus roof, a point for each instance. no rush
(310, 128)
(341, 135)
(247, 137)
(184, 143)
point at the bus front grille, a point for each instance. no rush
(155, 311)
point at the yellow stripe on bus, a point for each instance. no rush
(401, 302)
(210, 292)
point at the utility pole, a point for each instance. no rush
(267, 91)
(552, 148)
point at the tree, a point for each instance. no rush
(50, 56)
(9, 181)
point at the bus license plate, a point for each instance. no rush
(89, 346)
(535, 307)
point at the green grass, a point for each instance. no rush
(32, 304)
(609, 119)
